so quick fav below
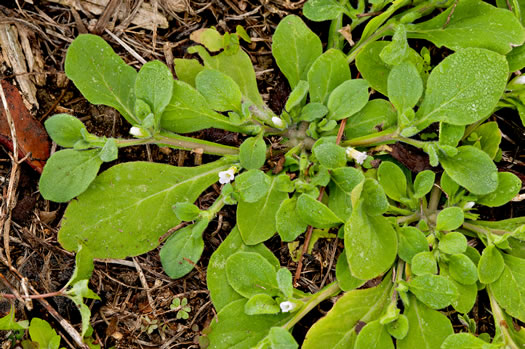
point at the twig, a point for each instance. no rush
(332, 258)
(127, 47)
(144, 283)
(5, 221)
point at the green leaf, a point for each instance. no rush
(313, 111)
(297, 96)
(509, 186)
(284, 280)
(256, 221)
(393, 180)
(330, 155)
(220, 91)
(252, 185)
(287, 221)
(375, 71)
(322, 10)
(462, 269)
(453, 243)
(344, 180)
(186, 211)
(378, 114)
(464, 88)
(182, 251)
(8, 322)
(374, 335)
(405, 86)
(295, 48)
(209, 37)
(347, 99)
(448, 185)
(187, 69)
(221, 292)
(238, 66)
(411, 242)
(489, 138)
(471, 23)
(68, 173)
(516, 58)
(466, 340)
(346, 280)
(435, 291)
(491, 265)
(371, 243)
(234, 329)
(427, 328)
(472, 169)
(315, 213)
(128, 207)
(101, 75)
(450, 218)
(423, 183)
(188, 111)
(84, 266)
(154, 85)
(250, 273)
(375, 202)
(281, 339)
(398, 50)
(450, 134)
(64, 129)
(398, 328)
(467, 294)
(109, 151)
(337, 328)
(424, 263)
(261, 304)
(252, 153)
(326, 73)
(41, 332)
(509, 289)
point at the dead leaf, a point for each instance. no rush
(31, 136)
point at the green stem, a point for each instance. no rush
(501, 322)
(399, 210)
(386, 136)
(435, 195)
(408, 219)
(329, 291)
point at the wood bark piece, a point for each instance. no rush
(144, 18)
(15, 58)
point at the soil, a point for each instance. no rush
(134, 310)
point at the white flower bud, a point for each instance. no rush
(277, 122)
(287, 306)
(469, 205)
(138, 132)
(358, 156)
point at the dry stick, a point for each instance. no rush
(310, 228)
(5, 221)
(144, 283)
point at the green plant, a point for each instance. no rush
(181, 307)
(411, 230)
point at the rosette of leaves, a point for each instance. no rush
(411, 228)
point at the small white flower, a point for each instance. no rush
(277, 122)
(358, 156)
(468, 205)
(137, 132)
(287, 306)
(227, 176)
